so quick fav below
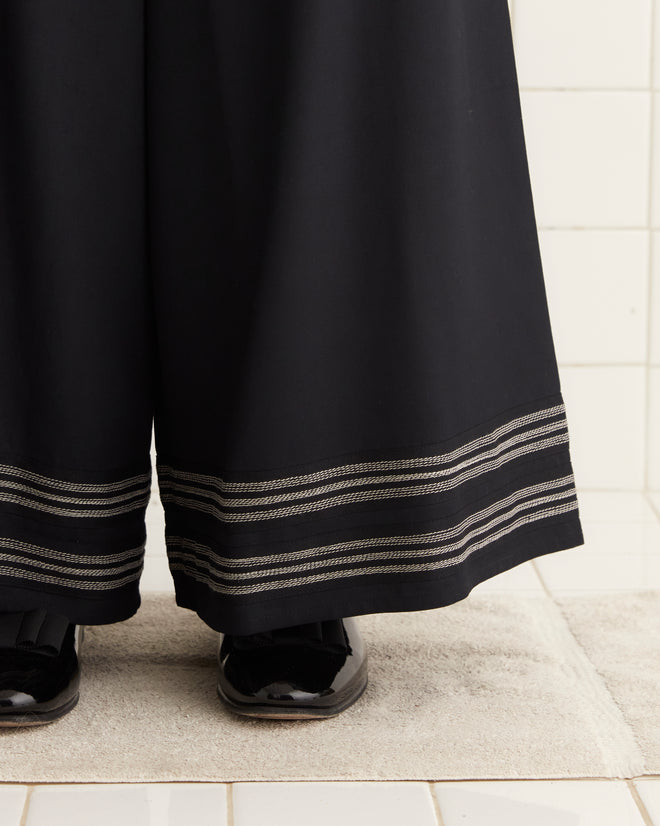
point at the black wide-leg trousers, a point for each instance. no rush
(297, 237)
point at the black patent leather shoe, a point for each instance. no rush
(39, 667)
(308, 671)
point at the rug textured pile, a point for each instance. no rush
(495, 686)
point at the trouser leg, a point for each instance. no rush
(76, 325)
(360, 408)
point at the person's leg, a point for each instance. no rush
(76, 326)
(360, 408)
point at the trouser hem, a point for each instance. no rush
(79, 610)
(415, 593)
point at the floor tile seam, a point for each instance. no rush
(648, 498)
(633, 791)
(26, 805)
(435, 802)
(632, 762)
(431, 783)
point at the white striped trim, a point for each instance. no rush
(375, 480)
(414, 568)
(80, 487)
(79, 506)
(28, 569)
(366, 495)
(68, 582)
(487, 453)
(364, 467)
(443, 546)
(52, 553)
(270, 560)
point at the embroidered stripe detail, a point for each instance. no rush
(448, 547)
(321, 491)
(559, 411)
(34, 561)
(67, 582)
(52, 553)
(267, 561)
(87, 500)
(371, 495)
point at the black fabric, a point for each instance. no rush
(326, 636)
(297, 237)
(35, 673)
(37, 631)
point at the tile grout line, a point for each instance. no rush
(644, 812)
(436, 804)
(633, 491)
(649, 499)
(26, 806)
(230, 804)
(593, 228)
(599, 90)
(650, 249)
(608, 364)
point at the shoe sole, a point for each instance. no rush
(37, 718)
(282, 712)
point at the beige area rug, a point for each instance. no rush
(496, 686)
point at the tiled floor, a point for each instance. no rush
(618, 527)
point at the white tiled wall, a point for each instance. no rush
(589, 74)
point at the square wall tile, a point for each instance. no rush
(654, 435)
(589, 157)
(542, 803)
(614, 558)
(155, 522)
(597, 287)
(156, 575)
(655, 191)
(606, 422)
(615, 507)
(655, 298)
(583, 43)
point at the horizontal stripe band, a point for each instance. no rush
(349, 484)
(76, 512)
(398, 568)
(77, 487)
(82, 572)
(33, 561)
(269, 561)
(368, 495)
(385, 465)
(87, 500)
(67, 582)
(64, 556)
(376, 480)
